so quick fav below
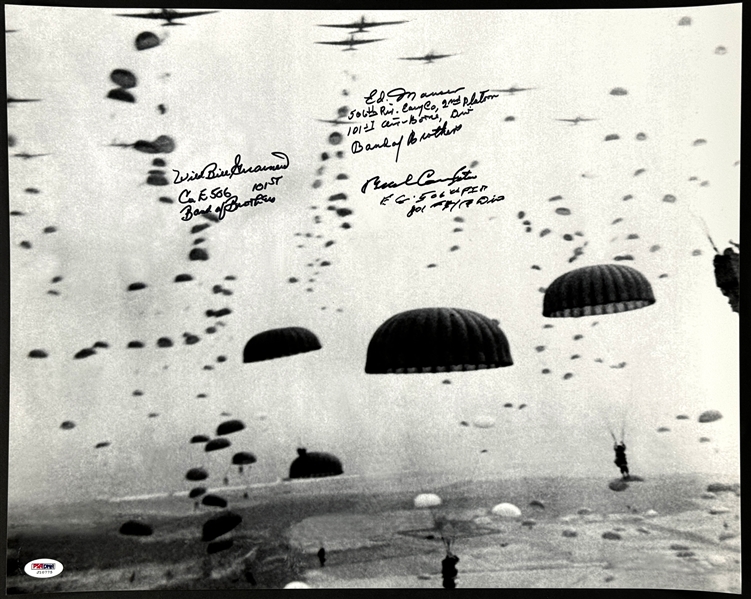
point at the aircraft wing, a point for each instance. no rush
(148, 15)
(196, 13)
(350, 42)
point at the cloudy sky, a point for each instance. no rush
(255, 82)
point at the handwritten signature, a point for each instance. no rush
(425, 178)
(212, 170)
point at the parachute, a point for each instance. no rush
(121, 95)
(199, 439)
(146, 40)
(506, 510)
(427, 500)
(102, 444)
(484, 422)
(437, 340)
(183, 278)
(218, 546)
(219, 525)
(709, 416)
(37, 353)
(243, 458)
(197, 492)
(230, 426)
(314, 465)
(218, 443)
(196, 474)
(68, 425)
(214, 501)
(136, 529)
(599, 289)
(122, 78)
(278, 343)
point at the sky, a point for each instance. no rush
(255, 82)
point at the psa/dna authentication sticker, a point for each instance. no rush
(43, 568)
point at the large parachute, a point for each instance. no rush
(599, 289)
(314, 464)
(146, 40)
(230, 426)
(216, 444)
(196, 474)
(437, 340)
(279, 343)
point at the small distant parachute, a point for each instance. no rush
(243, 458)
(37, 353)
(199, 439)
(196, 474)
(136, 529)
(164, 342)
(197, 492)
(595, 290)
(681, 417)
(314, 465)
(220, 525)
(146, 40)
(157, 179)
(102, 344)
(617, 484)
(699, 142)
(710, 416)
(684, 21)
(135, 344)
(123, 78)
(484, 422)
(102, 444)
(545, 232)
(437, 340)
(618, 91)
(506, 510)
(663, 429)
(567, 376)
(68, 425)
(182, 278)
(720, 50)
(214, 501)
(669, 198)
(217, 444)
(136, 286)
(121, 95)
(84, 353)
(427, 500)
(563, 211)
(704, 439)
(335, 138)
(464, 423)
(279, 343)
(537, 503)
(623, 257)
(198, 254)
(230, 426)
(612, 136)
(522, 406)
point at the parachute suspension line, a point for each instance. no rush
(705, 228)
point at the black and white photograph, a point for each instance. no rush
(331, 299)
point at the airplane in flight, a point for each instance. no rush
(26, 156)
(428, 58)
(167, 14)
(512, 90)
(337, 122)
(18, 100)
(575, 121)
(351, 42)
(362, 25)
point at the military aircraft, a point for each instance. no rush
(575, 121)
(337, 122)
(26, 156)
(351, 42)
(512, 90)
(428, 58)
(17, 100)
(362, 25)
(169, 15)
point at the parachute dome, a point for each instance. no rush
(125, 79)
(37, 353)
(243, 458)
(218, 546)
(121, 95)
(231, 426)
(196, 474)
(437, 340)
(137, 529)
(146, 40)
(68, 425)
(314, 465)
(484, 422)
(709, 416)
(424, 500)
(214, 501)
(216, 527)
(278, 343)
(599, 289)
(506, 510)
(216, 444)
(199, 439)
(197, 492)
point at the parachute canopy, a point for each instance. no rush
(709, 416)
(123, 78)
(506, 510)
(68, 425)
(199, 439)
(146, 40)
(219, 525)
(135, 528)
(230, 426)
(484, 422)
(121, 95)
(214, 500)
(243, 458)
(599, 289)
(314, 464)
(196, 474)
(218, 443)
(197, 492)
(218, 546)
(278, 343)
(424, 500)
(437, 340)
